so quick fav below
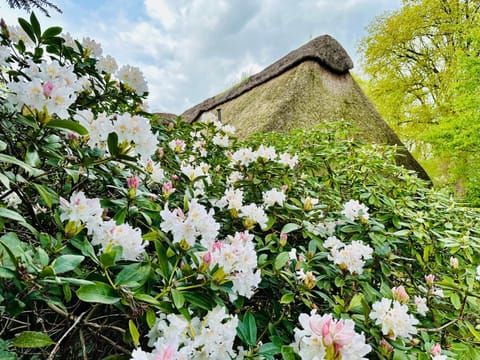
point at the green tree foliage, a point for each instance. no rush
(421, 61)
(29, 5)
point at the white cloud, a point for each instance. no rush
(158, 9)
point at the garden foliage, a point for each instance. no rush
(127, 237)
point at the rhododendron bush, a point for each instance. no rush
(125, 236)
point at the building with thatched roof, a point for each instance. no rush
(310, 85)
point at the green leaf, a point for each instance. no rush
(112, 143)
(32, 339)
(108, 258)
(35, 25)
(67, 125)
(134, 332)
(45, 193)
(51, 32)
(287, 298)
(150, 317)
(27, 28)
(269, 350)
(288, 228)
(247, 329)
(401, 233)
(281, 260)
(133, 275)
(474, 332)
(455, 299)
(147, 298)
(10, 214)
(4, 180)
(66, 263)
(98, 293)
(32, 158)
(11, 160)
(288, 353)
(178, 299)
(6, 273)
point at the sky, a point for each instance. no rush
(190, 50)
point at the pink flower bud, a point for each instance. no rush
(174, 177)
(207, 258)
(430, 279)
(167, 188)
(385, 345)
(133, 182)
(454, 262)
(400, 294)
(47, 88)
(436, 349)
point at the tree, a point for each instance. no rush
(415, 59)
(27, 5)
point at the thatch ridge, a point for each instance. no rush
(324, 50)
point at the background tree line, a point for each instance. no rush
(423, 73)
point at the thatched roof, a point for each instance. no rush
(308, 86)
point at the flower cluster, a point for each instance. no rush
(237, 257)
(354, 210)
(246, 156)
(173, 337)
(134, 131)
(81, 210)
(133, 77)
(394, 318)
(350, 257)
(50, 86)
(186, 229)
(322, 335)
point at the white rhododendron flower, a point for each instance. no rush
(394, 319)
(321, 334)
(232, 199)
(238, 258)
(221, 140)
(51, 86)
(350, 257)
(478, 273)
(137, 130)
(12, 200)
(177, 145)
(173, 337)
(16, 33)
(235, 176)
(354, 210)
(81, 209)
(420, 304)
(197, 223)
(272, 197)
(244, 157)
(98, 128)
(266, 152)
(108, 233)
(92, 48)
(254, 213)
(133, 77)
(106, 64)
(287, 159)
(4, 54)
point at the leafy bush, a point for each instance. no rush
(126, 236)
